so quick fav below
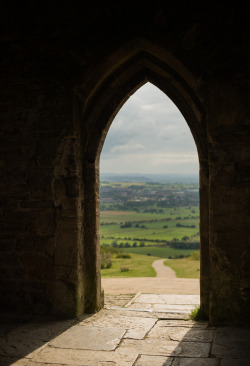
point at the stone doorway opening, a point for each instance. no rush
(148, 136)
(134, 66)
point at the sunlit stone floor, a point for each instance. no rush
(132, 330)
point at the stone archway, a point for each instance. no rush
(65, 74)
(107, 89)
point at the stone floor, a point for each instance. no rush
(139, 330)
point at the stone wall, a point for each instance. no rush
(66, 70)
(228, 136)
(41, 184)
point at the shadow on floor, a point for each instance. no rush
(141, 332)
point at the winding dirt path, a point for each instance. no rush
(165, 283)
(161, 270)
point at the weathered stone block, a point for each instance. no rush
(63, 298)
(169, 348)
(66, 252)
(45, 223)
(83, 357)
(137, 327)
(89, 338)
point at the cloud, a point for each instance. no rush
(149, 132)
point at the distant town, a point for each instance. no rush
(151, 196)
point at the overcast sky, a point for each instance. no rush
(149, 135)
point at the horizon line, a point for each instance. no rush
(150, 173)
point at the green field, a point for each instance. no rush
(185, 268)
(161, 227)
(141, 265)
(148, 221)
(138, 265)
(160, 252)
(149, 185)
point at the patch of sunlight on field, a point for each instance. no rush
(138, 265)
(163, 252)
(184, 268)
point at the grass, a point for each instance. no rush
(168, 213)
(167, 186)
(195, 256)
(138, 266)
(154, 225)
(160, 252)
(197, 314)
(185, 267)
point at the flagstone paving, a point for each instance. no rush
(131, 330)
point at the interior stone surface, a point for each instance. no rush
(65, 73)
(123, 337)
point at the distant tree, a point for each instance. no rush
(142, 244)
(106, 260)
(114, 244)
(134, 244)
(126, 224)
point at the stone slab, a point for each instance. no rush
(28, 362)
(166, 348)
(185, 309)
(136, 327)
(83, 357)
(195, 362)
(231, 335)
(149, 313)
(118, 300)
(232, 343)
(183, 323)
(170, 299)
(145, 360)
(7, 361)
(89, 338)
(28, 339)
(228, 362)
(175, 308)
(140, 306)
(234, 352)
(185, 334)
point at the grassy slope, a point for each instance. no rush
(185, 268)
(160, 252)
(139, 266)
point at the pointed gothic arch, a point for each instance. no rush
(106, 90)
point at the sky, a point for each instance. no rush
(149, 135)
